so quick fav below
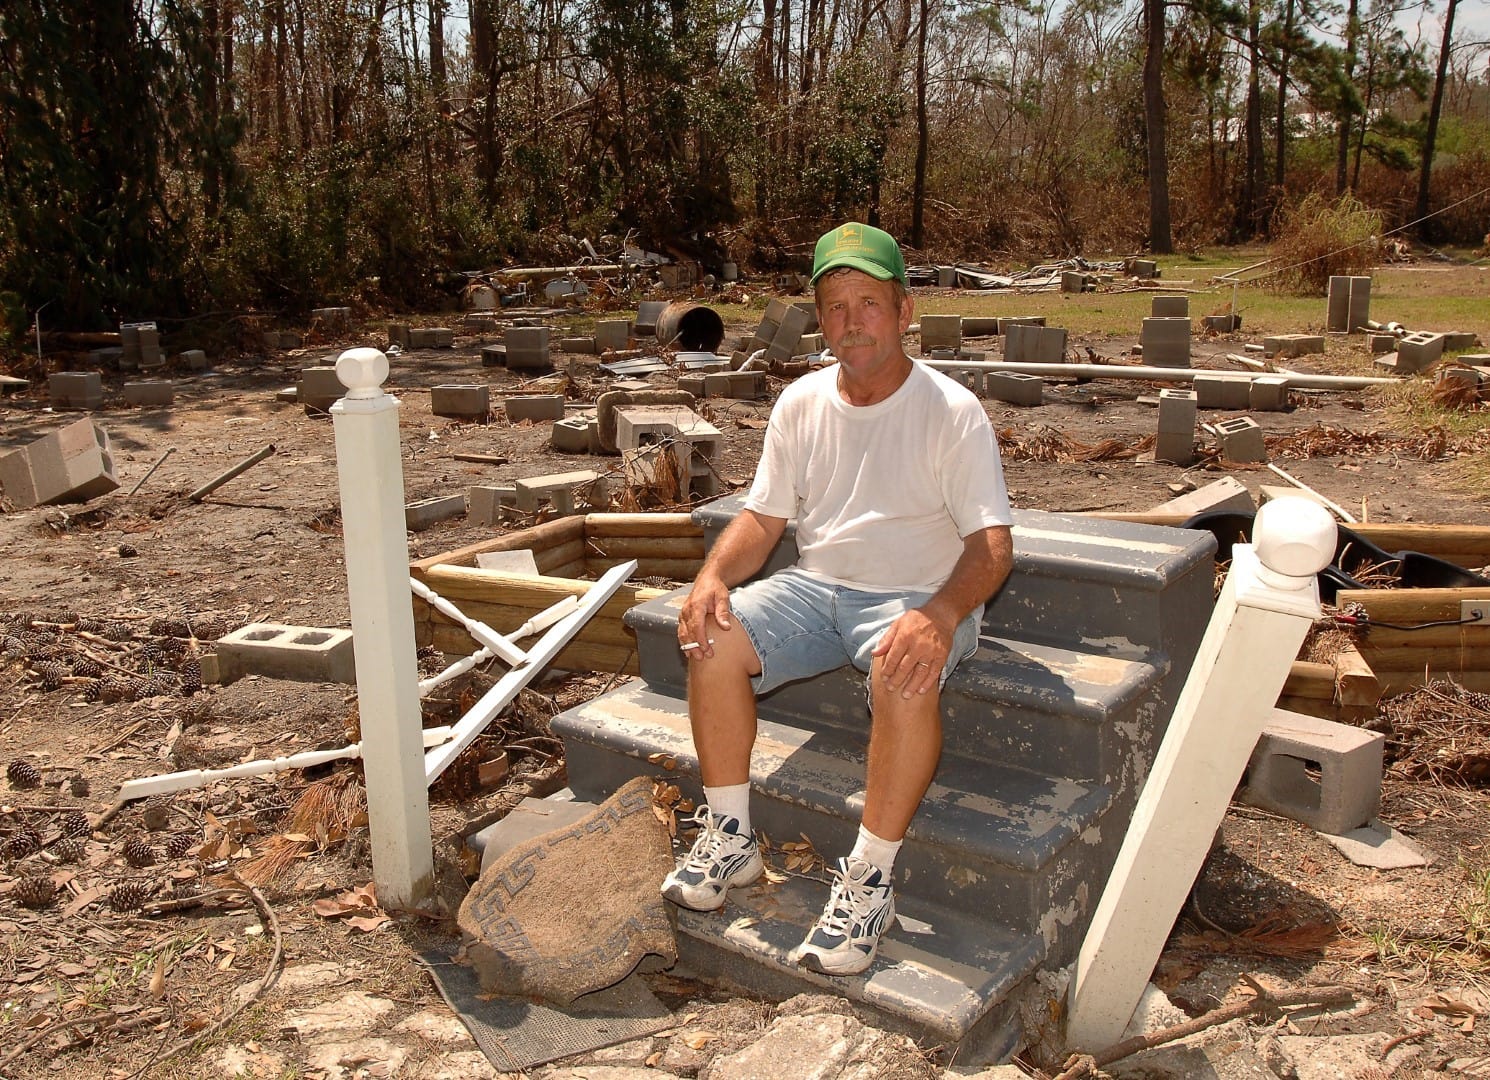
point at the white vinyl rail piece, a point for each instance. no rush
(542, 621)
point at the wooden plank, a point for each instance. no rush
(550, 558)
(1310, 680)
(646, 547)
(539, 537)
(578, 655)
(598, 525)
(1356, 685)
(1309, 706)
(1399, 682)
(1469, 658)
(672, 569)
(1410, 606)
(457, 583)
(1467, 635)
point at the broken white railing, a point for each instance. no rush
(1269, 601)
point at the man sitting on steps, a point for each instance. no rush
(892, 472)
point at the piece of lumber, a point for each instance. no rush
(481, 459)
(1309, 706)
(1394, 683)
(1434, 658)
(549, 534)
(505, 617)
(601, 525)
(559, 555)
(672, 569)
(455, 583)
(1309, 679)
(1356, 685)
(1410, 606)
(1447, 637)
(578, 655)
(645, 547)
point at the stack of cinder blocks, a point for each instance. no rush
(1348, 304)
(1176, 443)
(75, 389)
(781, 330)
(140, 346)
(526, 347)
(72, 464)
(642, 432)
(742, 385)
(1165, 336)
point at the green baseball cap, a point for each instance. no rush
(862, 247)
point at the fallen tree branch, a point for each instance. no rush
(1080, 1065)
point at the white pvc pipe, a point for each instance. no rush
(494, 641)
(1296, 380)
(542, 620)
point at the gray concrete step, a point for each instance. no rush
(939, 974)
(1038, 706)
(1005, 842)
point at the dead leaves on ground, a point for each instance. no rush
(358, 907)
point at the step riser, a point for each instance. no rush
(1004, 895)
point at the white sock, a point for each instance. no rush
(730, 801)
(877, 852)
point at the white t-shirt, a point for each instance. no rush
(883, 494)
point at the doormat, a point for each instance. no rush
(517, 1034)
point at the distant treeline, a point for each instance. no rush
(175, 156)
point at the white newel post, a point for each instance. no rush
(377, 551)
(1270, 598)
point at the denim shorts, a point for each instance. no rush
(802, 626)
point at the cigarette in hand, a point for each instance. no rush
(694, 645)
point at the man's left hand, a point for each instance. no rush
(913, 652)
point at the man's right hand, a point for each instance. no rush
(708, 600)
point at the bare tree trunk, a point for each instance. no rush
(211, 176)
(1161, 241)
(1360, 131)
(1352, 30)
(305, 100)
(923, 134)
(281, 77)
(1280, 133)
(1246, 216)
(1434, 110)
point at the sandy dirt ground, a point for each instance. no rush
(94, 991)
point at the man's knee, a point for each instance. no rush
(734, 656)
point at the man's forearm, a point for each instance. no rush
(743, 547)
(981, 570)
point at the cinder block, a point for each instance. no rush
(426, 512)
(1381, 343)
(527, 347)
(716, 384)
(1170, 307)
(693, 441)
(535, 407)
(319, 389)
(1073, 281)
(797, 320)
(1459, 340)
(288, 395)
(1029, 344)
(478, 323)
(1220, 391)
(488, 505)
(808, 344)
(1337, 304)
(72, 464)
(1268, 393)
(280, 651)
(1222, 324)
(399, 334)
(1464, 376)
(1143, 268)
(75, 389)
(577, 345)
(1227, 493)
(1016, 388)
(979, 326)
(1285, 345)
(1175, 447)
(494, 356)
(946, 277)
(149, 343)
(747, 385)
(155, 392)
(1359, 313)
(461, 402)
(444, 337)
(776, 310)
(1177, 411)
(693, 384)
(1166, 341)
(1293, 749)
(576, 435)
(194, 359)
(941, 332)
(647, 314)
(333, 318)
(972, 378)
(1240, 440)
(612, 334)
(1418, 352)
(1006, 321)
(564, 491)
(106, 358)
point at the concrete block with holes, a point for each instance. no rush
(1227, 493)
(1381, 343)
(1176, 437)
(1268, 393)
(565, 492)
(795, 321)
(1337, 304)
(1324, 774)
(1221, 391)
(72, 464)
(577, 345)
(1073, 281)
(319, 389)
(941, 332)
(1166, 341)
(1170, 307)
(1459, 376)
(195, 359)
(1418, 352)
(1359, 307)
(1222, 324)
(333, 318)
(716, 384)
(469, 401)
(75, 389)
(647, 314)
(1016, 388)
(150, 393)
(1240, 440)
(398, 334)
(282, 651)
(424, 513)
(694, 442)
(1281, 346)
(748, 385)
(491, 504)
(526, 347)
(972, 378)
(537, 408)
(576, 435)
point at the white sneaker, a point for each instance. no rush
(721, 856)
(860, 908)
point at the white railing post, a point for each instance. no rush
(1270, 598)
(371, 477)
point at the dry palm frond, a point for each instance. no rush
(1455, 394)
(323, 814)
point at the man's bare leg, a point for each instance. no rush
(721, 707)
(905, 743)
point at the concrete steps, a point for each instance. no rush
(1049, 730)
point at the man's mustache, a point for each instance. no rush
(857, 340)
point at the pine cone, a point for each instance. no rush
(75, 823)
(137, 852)
(180, 890)
(180, 845)
(85, 667)
(118, 688)
(70, 849)
(88, 625)
(118, 631)
(209, 627)
(156, 812)
(159, 684)
(22, 774)
(34, 891)
(65, 617)
(92, 689)
(191, 677)
(130, 896)
(128, 551)
(50, 673)
(23, 842)
(172, 628)
(12, 647)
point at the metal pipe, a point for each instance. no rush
(1296, 380)
(242, 467)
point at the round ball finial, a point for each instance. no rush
(1294, 536)
(362, 372)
